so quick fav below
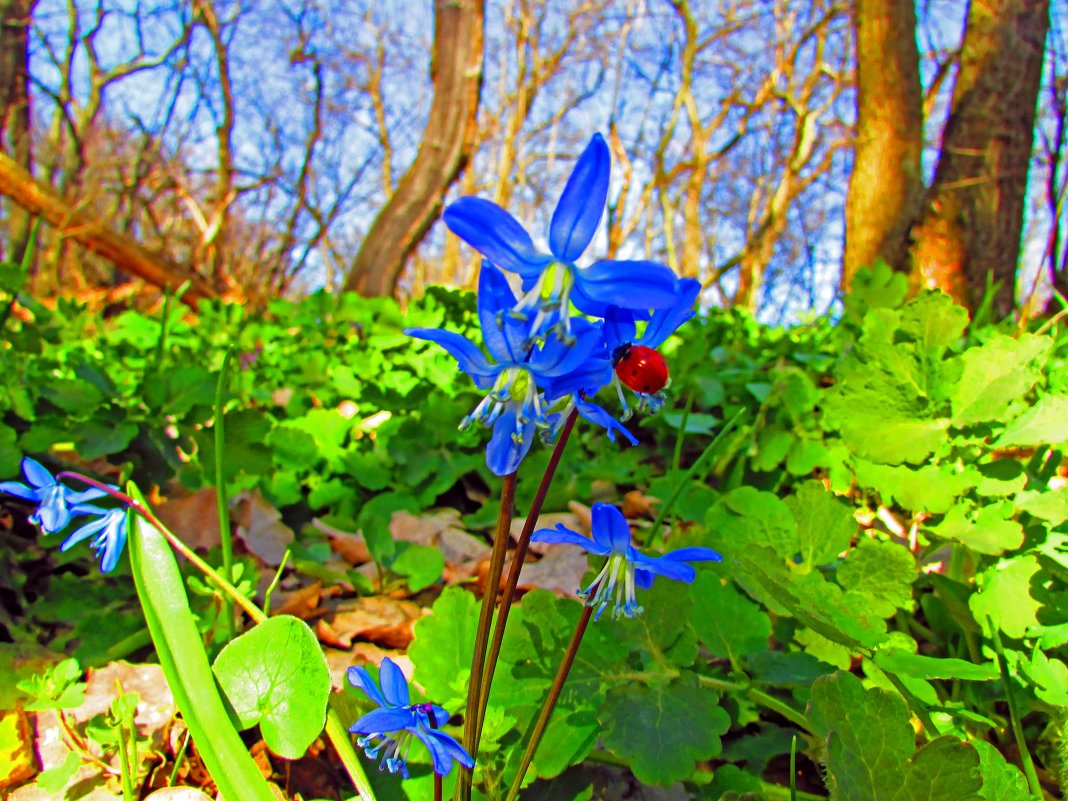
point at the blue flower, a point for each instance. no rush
(626, 566)
(552, 281)
(390, 728)
(54, 500)
(514, 405)
(110, 528)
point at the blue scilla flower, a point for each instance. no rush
(109, 529)
(54, 500)
(551, 281)
(390, 728)
(626, 567)
(519, 370)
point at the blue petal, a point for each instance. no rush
(109, 546)
(565, 536)
(599, 416)
(619, 328)
(19, 490)
(610, 528)
(495, 234)
(361, 680)
(503, 334)
(470, 359)
(581, 204)
(588, 377)
(383, 720)
(662, 566)
(394, 685)
(694, 555)
(86, 531)
(444, 750)
(627, 284)
(555, 358)
(665, 322)
(503, 453)
(90, 494)
(36, 473)
(439, 715)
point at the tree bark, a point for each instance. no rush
(15, 20)
(974, 210)
(39, 200)
(886, 188)
(447, 143)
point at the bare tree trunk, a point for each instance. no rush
(15, 19)
(447, 143)
(126, 254)
(974, 210)
(886, 187)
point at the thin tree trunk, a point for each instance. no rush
(974, 209)
(18, 185)
(886, 187)
(15, 19)
(445, 149)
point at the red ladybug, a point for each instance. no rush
(640, 368)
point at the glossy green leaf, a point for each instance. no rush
(275, 675)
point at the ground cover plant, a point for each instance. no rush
(857, 527)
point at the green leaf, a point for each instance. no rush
(54, 781)
(443, 646)
(94, 439)
(931, 488)
(421, 565)
(900, 661)
(73, 395)
(1001, 781)
(825, 523)
(1045, 423)
(875, 287)
(1005, 595)
(883, 571)
(747, 517)
(870, 748)
(1049, 506)
(275, 675)
(10, 455)
(664, 729)
(374, 519)
(293, 448)
(995, 374)
(989, 529)
(728, 623)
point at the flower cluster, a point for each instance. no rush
(544, 361)
(626, 566)
(390, 728)
(58, 504)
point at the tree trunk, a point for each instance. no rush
(126, 254)
(974, 210)
(886, 187)
(15, 20)
(456, 69)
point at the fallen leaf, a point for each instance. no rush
(441, 528)
(260, 525)
(178, 794)
(377, 619)
(194, 518)
(16, 749)
(299, 603)
(155, 709)
(569, 520)
(338, 661)
(638, 504)
(560, 570)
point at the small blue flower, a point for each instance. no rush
(552, 281)
(53, 498)
(110, 528)
(514, 406)
(626, 566)
(390, 728)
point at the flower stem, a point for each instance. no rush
(760, 697)
(1014, 714)
(485, 618)
(512, 580)
(220, 490)
(550, 701)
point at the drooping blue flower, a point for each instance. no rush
(551, 281)
(109, 526)
(55, 500)
(390, 728)
(519, 370)
(626, 566)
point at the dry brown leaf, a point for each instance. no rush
(441, 528)
(17, 754)
(339, 661)
(584, 514)
(566, 519)
(300, 603)
(638, 504)
(178, 794)
(377, 619)
(351, 547)
(155, 709)
(194, 518)
(260, 525)
(560, 570)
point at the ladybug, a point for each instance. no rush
(640, 368)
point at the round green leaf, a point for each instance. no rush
(275, 675)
